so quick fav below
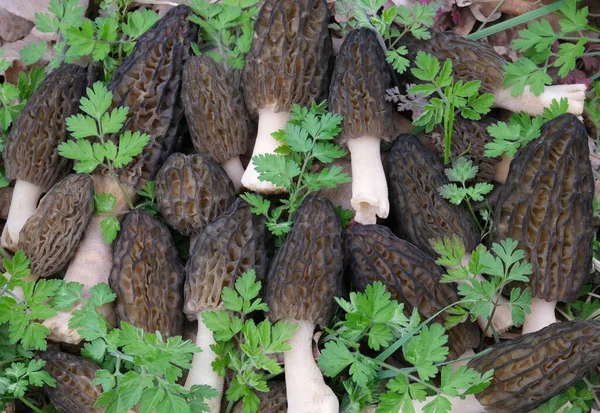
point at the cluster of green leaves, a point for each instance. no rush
(580, 397)
(228, 27)
(107, 39)
(392, 24)
(99, 123)
(451, 98)
(374, 319)
(536, 43)
(592, 109)
(307, 137)
(504, 264)
(244, 347)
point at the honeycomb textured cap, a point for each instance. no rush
(306, 273)
(74, 391)
(357, 92)
(546, 205)
(147, 276)
(414, 176)
(227, 248)
(149, 83)
(410, 276)
(191, 191)
(537, 366)
(214, 109)
(274, 401)
(31, 151)
(289, 60)
(50, 237)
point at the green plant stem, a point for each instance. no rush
(498, 5)
(229, 407)
(30, 405)
(448, 126)
(473, 212)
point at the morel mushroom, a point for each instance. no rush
(274, 401)
(147, 276)
(31, 152)
(216, 115)
(303, 280)
(410, 276)
(191, 191)
(360, 79)
(546, 205)
(227, 248)
(288, 63)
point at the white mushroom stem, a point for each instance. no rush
(469, 405)
(305, 386)
(502, 167)
(268, 122)
(22, 206)
(534, 105)
(235, 170)
(201, 371)
(542, 315)
(369, 186)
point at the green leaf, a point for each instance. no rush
(426, 349)
(567, 55)
(276, 169)
(334, 358)
(110, 228)
(113, 122)
(97, 102)
(33, 52)
(427, 67)
(462, 170)
(130, 146)
(396, 58)
(80, 151)
(82, 126)
(104, 202)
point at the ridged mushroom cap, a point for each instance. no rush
(31, 151)
(290, 56)
(227, 248)
(214, 110)
(50, 237)
(414, 176)
(546, 205)
(149, 83)
(274, 401)
(147, 276)
(357, 92)
(410, 276)
(306, 273)
(191, 191)
(537, 366)
(74, 391)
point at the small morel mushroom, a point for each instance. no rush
(288, 63)
(303, 280)
(410, 276)
(274, 401)
(357, 92)
(147, 276)
(546, 205)
(227, 248)
(31, 152)
(191, 191)
(216, 115)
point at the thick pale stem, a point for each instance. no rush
(468, 405)
(235, 170)
(542, 315)
(463, 360)
(369, 187)
(534, 105)
(201, 371)
(22, 206)
(268, 122)
(501, 169)
(305, 386)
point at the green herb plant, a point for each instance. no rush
(592, 110)
(307, 138)
(244, 347)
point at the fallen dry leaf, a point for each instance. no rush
(13, 27)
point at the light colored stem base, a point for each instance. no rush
(468, 405)
(201, 371)
(369, 187)
(234, 170)
(463, 359)
(22, 206)
(542, 315)
(534, 105)
(305, 386)
(268, 122)
(502, 168)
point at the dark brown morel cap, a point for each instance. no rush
(31, 151)
(50, 237)
(357, 92)
(290, 56)
(274, 401)
(214, 110)
(227, 248)
(410, 276)
(414, 176)
(546, 205)
(537, 366)
(191, 191)
(471, 60)
(149, 83)
(306, 273)
(74, 391)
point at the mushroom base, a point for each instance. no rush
(542, 315)
(23, 204)
(235, 170)
(501, 169)
(534, 105)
